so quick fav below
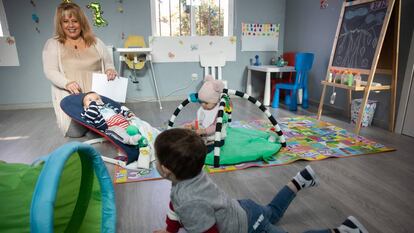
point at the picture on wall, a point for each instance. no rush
(260, 36)
(189, 48)
(8, 51)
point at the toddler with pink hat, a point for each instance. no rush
(205, 123)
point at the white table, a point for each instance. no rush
(268, 69)
(136, 52)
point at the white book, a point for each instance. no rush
(115, 89)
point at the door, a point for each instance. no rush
(405, 118)
(408, 127)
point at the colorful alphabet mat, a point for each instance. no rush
(307, 139)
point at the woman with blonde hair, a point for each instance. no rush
(70, 58)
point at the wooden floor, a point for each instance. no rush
(377, 189)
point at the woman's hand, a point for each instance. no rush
(111, 74)
(73, 87)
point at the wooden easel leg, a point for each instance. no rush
(393, 99)
(321, 102)
(396, 45)
(348, 109)
(363, 104)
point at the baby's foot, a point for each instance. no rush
(305, 178)
(351, 225)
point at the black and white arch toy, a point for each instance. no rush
(220, 126)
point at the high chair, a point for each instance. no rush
(132, 60)
(213, 62)
(135, 61)
(135, 54)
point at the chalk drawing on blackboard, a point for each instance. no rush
(358, 36)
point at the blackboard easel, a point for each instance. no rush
(366, 42)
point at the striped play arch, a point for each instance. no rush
(220, 126)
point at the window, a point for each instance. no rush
(3, 22)
(192, 17)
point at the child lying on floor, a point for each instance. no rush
(199, 205)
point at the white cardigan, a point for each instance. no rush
(53, 69)
(52, 63)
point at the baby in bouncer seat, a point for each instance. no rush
(121, 124)
(109, 119)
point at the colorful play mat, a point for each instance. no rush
(307, 139)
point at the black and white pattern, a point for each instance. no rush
(351, 225)
(93, 116)
(219, 124)
(305, 178)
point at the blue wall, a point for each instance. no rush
(26, 84)
(309, 28)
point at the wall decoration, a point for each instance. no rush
(194, 47)
(189, 48)
(10, 40)
(260, 36)
(8, 52)
(171, 55)
(120, 7)
(323, 4)
(35, 19)
(98, 19)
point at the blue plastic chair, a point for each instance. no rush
(303, 63)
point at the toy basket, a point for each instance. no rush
(368, 112)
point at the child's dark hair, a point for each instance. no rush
(87, 93)
(182, 151)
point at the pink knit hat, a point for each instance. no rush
(210, 90)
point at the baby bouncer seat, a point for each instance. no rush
(129, 156)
